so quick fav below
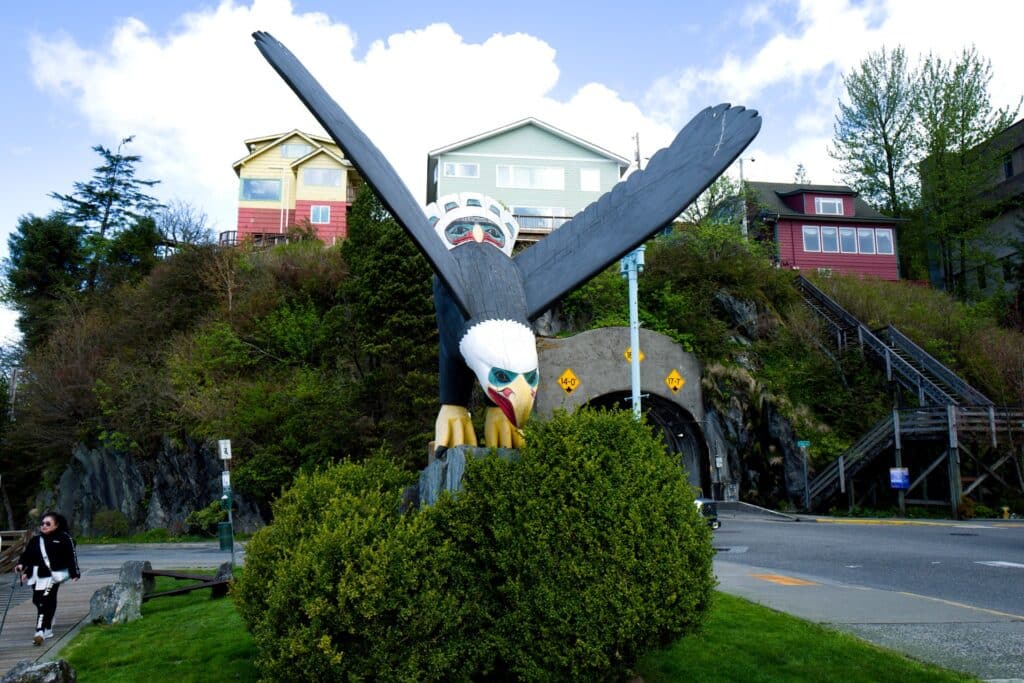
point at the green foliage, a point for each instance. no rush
(565, 566)
(204, 522)
(43, 272)
(110, 523)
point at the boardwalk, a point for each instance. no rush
(100, 566)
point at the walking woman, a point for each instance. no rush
(49, 560)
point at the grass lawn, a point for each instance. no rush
(193, 638)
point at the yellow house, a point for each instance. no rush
(291, 179)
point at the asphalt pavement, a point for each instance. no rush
(891, 583)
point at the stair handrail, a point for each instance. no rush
(911, 376)
(863, 449)
(930, 363)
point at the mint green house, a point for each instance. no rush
(542, 174)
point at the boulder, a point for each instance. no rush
(447, 470)
(116, 604)
(131, 575)
(30, 671)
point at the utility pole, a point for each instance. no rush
(629, 267)
(743, 199)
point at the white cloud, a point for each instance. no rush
(192, 96)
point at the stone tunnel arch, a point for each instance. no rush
(592, 368)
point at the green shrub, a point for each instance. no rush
(204, 522)
(568, 565)
(110, 523)
(591, 548)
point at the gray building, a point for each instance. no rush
(542, 174)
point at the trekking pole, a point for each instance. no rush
(14, 585)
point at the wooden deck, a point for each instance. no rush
(72, 608)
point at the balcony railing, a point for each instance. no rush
(533, 227)
(230, 238)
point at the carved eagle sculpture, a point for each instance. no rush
(484, 297)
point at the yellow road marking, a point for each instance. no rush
(904, 522)
(960, 604)
(783, 580)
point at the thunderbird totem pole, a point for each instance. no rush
(484, 297)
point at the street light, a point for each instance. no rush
(743, 198)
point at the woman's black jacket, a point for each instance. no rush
(60, 548)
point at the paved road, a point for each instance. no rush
(951, 593)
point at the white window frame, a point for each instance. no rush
(847, 251)
(460, 169)
(808, 231)
(835, 236)
(821, 202)
(590, 179)
(866, 232)
(319, 208)
(892, 242)
(306, 173)
(533, 181)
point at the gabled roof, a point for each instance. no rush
(530, 121)
(770, 196)
(313, 140)
(316, 152)
(252, 142)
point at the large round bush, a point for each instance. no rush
(566, 565)
(591, 546)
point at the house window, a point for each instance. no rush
(319, 214)
(260, 190)
(294, 150)
(829, 206)
(539, 217)
(848, 240)
(454, 169)
(866, 240)
(883, 241)
(590, 180)
(829, 240)
(531, 177)
(812, 241)
(324, 177)
(1007, 166)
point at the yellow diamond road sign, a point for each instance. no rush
(629, 354)
(675, 381)
(568, 381)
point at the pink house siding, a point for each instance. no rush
(328, 233)
(789, 235)
(262, 221)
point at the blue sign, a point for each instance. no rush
(899, 478)
(803, 444)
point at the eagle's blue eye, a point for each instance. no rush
(500, 378)
(531, 378)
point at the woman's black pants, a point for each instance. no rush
(46, 602)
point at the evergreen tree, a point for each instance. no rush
(44, 270)
(388, 319)
(111, 201)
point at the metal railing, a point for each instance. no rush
(965, 391)
(896, 367)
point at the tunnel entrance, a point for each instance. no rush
(679, 430)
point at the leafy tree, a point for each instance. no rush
(874, 131)
(957, 120)
(44, 270)
(710, 201)
(111, 201)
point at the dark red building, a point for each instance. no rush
(827, 227)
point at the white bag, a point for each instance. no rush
(60, 575)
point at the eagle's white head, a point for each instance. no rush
(503, 356)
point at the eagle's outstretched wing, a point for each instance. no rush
(637, 207)
(364, 155)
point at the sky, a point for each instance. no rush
(184, 78)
